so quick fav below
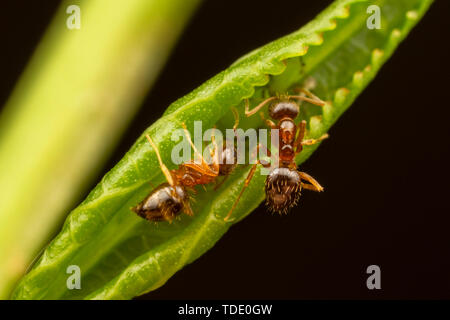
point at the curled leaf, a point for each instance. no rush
(122, 256)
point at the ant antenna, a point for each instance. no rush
(317, 102)
(188, 136)
(312, 98)
(249, 113)
(236, 117)
(163, 167)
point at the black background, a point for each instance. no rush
(384, 168)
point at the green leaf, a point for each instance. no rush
(122, 256)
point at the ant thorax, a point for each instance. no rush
(287, 133)
(189, 175)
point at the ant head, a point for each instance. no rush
(283, 108)
(283, 187)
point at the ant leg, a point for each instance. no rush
(187, 208)
(249, 113)
(308, 186)
(313, 184)
(236, 118)
(311, 187)
(218, 185)
(301, 134)
(310, 142)
(255, 152)
(247, 182)
(215, 154)
(163, 167)
(301, 129)
(268, 122)
(193, 191)
(236, 123)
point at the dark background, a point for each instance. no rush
(384, 167)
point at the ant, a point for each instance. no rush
(284, 183)
(169, 199)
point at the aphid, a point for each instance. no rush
(169, 199)
(284, 183)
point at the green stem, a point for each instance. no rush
(70, 107)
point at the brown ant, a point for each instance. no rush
(284, 183)
(169, 199)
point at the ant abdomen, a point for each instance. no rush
(283, 187)
(283, 109)
(164, 203)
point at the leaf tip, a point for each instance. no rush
(333, 24)
(317, 39)
(303, 50)
(344, 12)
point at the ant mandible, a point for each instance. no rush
(284, 183)
(171, 198)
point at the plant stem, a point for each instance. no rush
(70, 107)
